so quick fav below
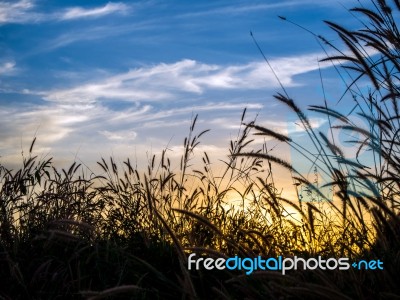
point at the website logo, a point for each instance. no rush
(280, 264)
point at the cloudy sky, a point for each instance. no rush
(97, 78)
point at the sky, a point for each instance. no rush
(91, 79)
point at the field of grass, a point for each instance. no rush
(127, 233)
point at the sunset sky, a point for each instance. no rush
(97, 78)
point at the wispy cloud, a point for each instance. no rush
(19, 125)
(120, 135)
(79, 12)
(95, 113)
(17, 12)
(149, 117)
(7, 68)
(165, 81)
(65, 127)
(239, 9)
(235, 9)
(92, 33)
(24, 11)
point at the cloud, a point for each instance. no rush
(147, 105)
(165, 81)
(61, 127)
(87, 34)
(149, 115)
(236, 9)
(120, 135)
(96, 109)
(293, 126)
(240, 9)
(92, 33)
(17, 12)
(7, 68)
(79, 12)
(23, 12)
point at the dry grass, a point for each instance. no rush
(127, 233)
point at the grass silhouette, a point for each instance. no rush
(126, 234)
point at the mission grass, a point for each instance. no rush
(155, 208)
(127, 233)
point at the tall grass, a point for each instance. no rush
(366, 197)
(126, 233)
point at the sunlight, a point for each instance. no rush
(199, 168)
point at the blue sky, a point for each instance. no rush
(98, 78)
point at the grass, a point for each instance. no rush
(126, 233)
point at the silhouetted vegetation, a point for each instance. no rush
(126, 233)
